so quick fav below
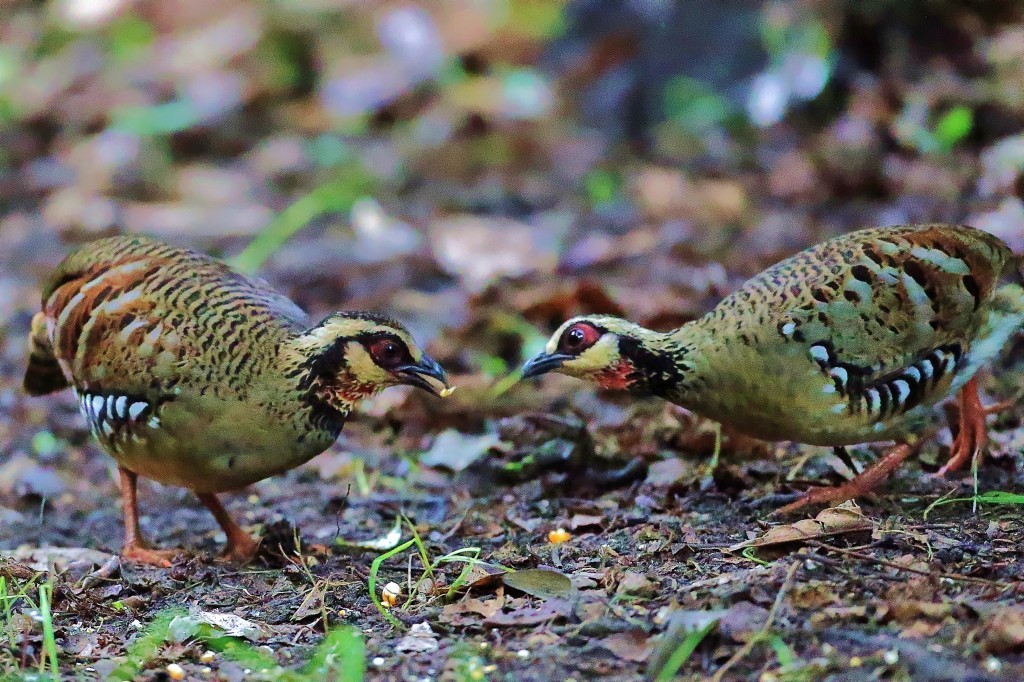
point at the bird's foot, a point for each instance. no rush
(163, 558)
(859, 486)
(967, 446)
(972, 434)
(241, 548)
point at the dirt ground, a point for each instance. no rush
(905, 592)
(553, 532)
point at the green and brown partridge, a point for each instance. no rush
(192, 374)
(853, 340)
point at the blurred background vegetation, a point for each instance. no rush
(361, 152)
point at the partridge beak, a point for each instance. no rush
(426, 374)
(544, 363)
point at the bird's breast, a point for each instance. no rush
(203, 443)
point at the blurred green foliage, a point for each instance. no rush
(335, 196)
(695, 106)
(128, 38)
(953, 126)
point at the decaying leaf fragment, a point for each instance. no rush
(845, 518)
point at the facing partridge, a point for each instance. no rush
(850, 341)
(195, 375)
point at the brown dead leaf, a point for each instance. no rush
(421, 638)
(921, 629)
(454, 613)
(480, 578)
(1003, 631)
(539, 582)
(313, 603)
(833, 613)
(586, 580)
(549, 610)
(906, 611)
(742, 620)
(813, 595)
(634, 645)
(636, 584)
(846, 518)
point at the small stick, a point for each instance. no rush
(892, 564)
(763, 632)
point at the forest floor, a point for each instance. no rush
(541, 169)
(622, 537)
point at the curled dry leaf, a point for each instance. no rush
(632, 645)
(469, 610)
(846, 518)
(539, 582)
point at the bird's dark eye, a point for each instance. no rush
(387, 353)
(578, 337)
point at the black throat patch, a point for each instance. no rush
(659, 372)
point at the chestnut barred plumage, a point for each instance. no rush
(195, 375)
(853, 340)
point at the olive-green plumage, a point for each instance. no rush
(849, 341)
(195, 375)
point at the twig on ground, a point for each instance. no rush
(892, 564)
(763, 632)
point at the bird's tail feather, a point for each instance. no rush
(43, 374)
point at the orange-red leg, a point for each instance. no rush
(862, 484)
(135, 548)
(241, 546)
(972, 434)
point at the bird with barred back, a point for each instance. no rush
(851, 341)
(192, 374)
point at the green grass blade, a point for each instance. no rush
(49, 641)
(786, 656)
(681, 654)
(997, 497)
(372, 582)
(341, 657)
(145, 646)
(336, 196)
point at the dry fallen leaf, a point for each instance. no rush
(633, 645)
(846, 518)
(231, 625)
(1004, 631)
(550, 610)
(457, 612)
(636, 584)
(456, 451)
(539, 582)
